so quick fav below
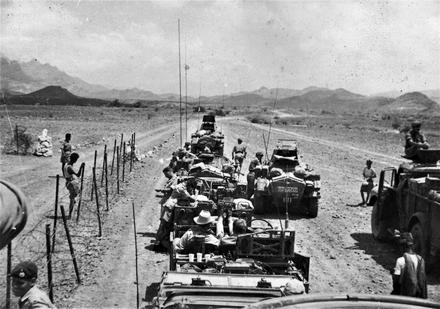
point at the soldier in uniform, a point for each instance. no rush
(414, 141)
(239, 153)
(24, 277)
(258, 161)
(409, 277)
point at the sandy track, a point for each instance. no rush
(344, 256)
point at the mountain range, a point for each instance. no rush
(25, 81)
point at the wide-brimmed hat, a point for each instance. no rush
(416, 124)
(203, 218)
(259, 154)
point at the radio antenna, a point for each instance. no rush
(180, 84)
(273, 109)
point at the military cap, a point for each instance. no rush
(239, 140)
(25, 270)
(259, 154)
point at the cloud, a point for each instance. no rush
(363, 46)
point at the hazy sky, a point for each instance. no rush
(363, 46)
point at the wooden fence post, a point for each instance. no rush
(94, 166)
(69, 240)
(123, 164)
(55, 215)
(131, 152)
(102, 172)
(106, 181)
(122, 143)
(16, 139)
(136, 255)
(97, 204)
(8, 275)
(80, 196)
(117, 169)
(49, 263)
(113, 159)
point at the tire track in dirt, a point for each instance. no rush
(344, 255)
(114, 285)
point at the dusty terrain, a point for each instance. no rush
(344, 256)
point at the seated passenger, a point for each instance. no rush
(203, 228)
(179, 193)
(414, 141)
(237, 226)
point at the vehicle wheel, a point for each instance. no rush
(419, 240)
(378, 227)
(313, 208)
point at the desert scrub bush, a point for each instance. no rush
(20, 142)
(259, 119)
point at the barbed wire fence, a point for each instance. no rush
(66, 249)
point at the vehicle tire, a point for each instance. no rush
(378, 227)
(313, 208)
(419, 240)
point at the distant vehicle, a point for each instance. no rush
(207, 137)
(261, 263)
(292, 185)
(331, 301)
(407, 199)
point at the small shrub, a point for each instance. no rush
(20, 137)
(259, 119)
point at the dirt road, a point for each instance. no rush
(344, 256)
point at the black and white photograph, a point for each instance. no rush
(261, 154)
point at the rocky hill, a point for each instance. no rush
(53, 95)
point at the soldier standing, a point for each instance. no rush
(239, 153)
(66, 150)
(251, 175)
(72, 183)
(409, 277)
(414, 141)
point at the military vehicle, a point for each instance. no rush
(292, 185)
(407, 199)
(259, 266)
(207, 137)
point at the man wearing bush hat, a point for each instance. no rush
(203, 228)
(414, 141)
(24, 277)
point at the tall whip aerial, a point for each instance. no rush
(270, 125)
(180, 85)
(186, 96)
